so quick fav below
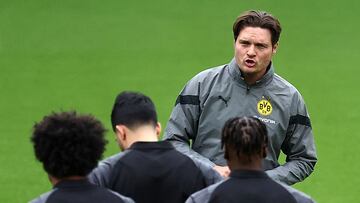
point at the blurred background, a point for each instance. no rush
(78, 55)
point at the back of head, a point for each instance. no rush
(68, 144)
(133, 109)
(244, 137)
(258, 19)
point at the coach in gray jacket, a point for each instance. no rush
(247, 86)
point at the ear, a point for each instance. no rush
(264, 151)
(275, 47)
(120, 133)
(226, 152)
(158, 129)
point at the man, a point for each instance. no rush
(69, 147)
(148, 170)
(245, 141)
(247, 86)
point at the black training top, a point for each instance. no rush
(152, 172)
(80, 191)
(252, 187)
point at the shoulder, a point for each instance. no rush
(205, 80)
(123, 198)
(101, 174)
(297, 194)
(43, 198)
(281, 83)
(281, 86)
(111, 161)
(203, 195)
(208, 74)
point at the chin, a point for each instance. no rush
(248, 70)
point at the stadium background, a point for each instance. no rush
(77, 55)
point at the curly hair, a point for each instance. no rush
(68, 144)
(258, 19)
(246, 135)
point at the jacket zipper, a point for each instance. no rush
(247, 89)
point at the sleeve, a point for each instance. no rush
(298, 146)
(102, 173)
(211, 176)
(204, 195)
(299, 196)
(43, 198)
(127, 200)
(190, 200)
(123, 198)
(182, 126)
(99, 175)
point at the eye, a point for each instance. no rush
(244, 43)
(261, 46)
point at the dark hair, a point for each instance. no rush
(68, 144)
(258, 19)
(246, 135)
(133, 109)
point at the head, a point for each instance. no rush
(245, 141)
(256, 36)
(132, 114)
(68, 144)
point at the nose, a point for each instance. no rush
(251, 51)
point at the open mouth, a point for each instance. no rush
(250, 63)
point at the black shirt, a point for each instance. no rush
(151, 172)
(80, 191)
(250, 187)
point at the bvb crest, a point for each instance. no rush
(264, 107)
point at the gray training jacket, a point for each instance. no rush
(215, 95)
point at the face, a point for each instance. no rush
(253, 52)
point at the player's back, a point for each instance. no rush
(155, 172)
(250, 186)
(80, 191)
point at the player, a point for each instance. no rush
(245, 142)
(148, 170)
(69, 146)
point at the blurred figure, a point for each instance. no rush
(148, 170)
(69, 146)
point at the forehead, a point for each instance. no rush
(255, 34)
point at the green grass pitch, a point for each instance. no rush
(77, 55)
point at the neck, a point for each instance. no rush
(253, 164)
(144, 134)
(251, 167)
(251, 79)
(53, 180)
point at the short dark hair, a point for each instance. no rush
(133, 109)
(258, 19)
(246, 135)
(68, 144)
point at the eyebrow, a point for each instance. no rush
(256, 44)
(244, 41)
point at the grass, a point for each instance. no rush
(64, 55)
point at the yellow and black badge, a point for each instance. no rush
(264, 107)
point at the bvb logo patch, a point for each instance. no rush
(264, 107)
